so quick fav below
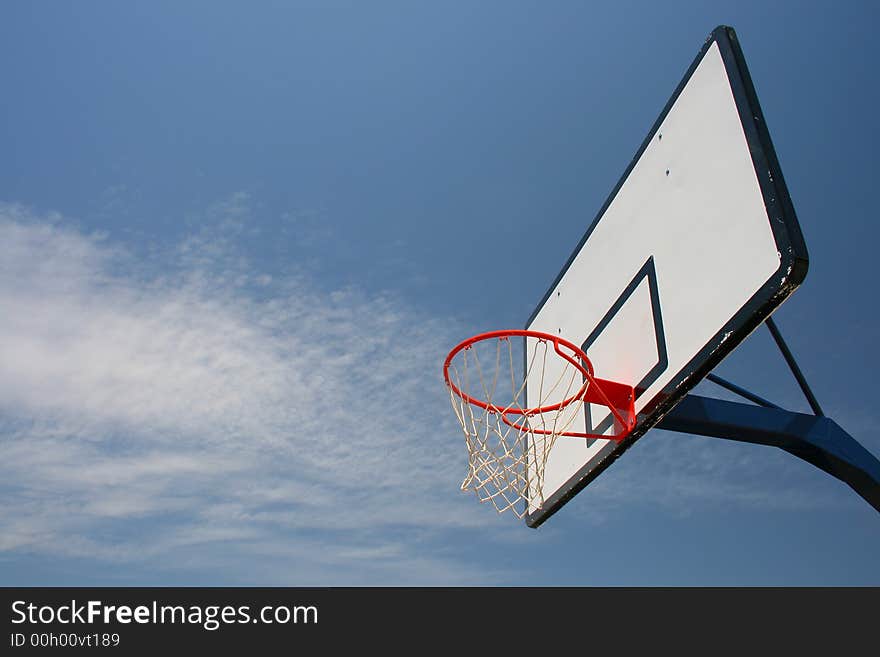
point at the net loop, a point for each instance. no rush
(513, 408)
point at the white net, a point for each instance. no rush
(507, 446)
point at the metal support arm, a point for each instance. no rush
(815, 439)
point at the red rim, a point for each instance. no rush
(585, 367)
(591, 391)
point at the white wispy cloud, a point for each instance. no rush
(167, 392)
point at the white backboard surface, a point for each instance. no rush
(693, 249)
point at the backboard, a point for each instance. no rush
(696, 246)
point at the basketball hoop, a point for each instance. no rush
(508, 437)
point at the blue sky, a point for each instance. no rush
(237, 241)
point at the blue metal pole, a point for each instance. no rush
(815, 439)
(742, 392)
(793, 366)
